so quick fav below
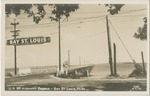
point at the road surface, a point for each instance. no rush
(49, 82)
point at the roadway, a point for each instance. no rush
(92, 83)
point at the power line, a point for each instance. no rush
(127, 20)
(36, 25)
(132, 11)
(89, 18)
(127, 11)
(83, 21)
(121, 41)
(70, 23)
(53, 24)
(40, 25)
(100, 15)
(128, 15)
(85, 18)
(95, 34)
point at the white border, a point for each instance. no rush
(78, 1)
(69, 93)
(148, 48)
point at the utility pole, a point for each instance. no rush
(143, 63)
(59, 36)
(79, 60)
(69, 57)
(115, 69)
(109, 47)
(15, 47)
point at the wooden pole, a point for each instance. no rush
(143, 63)
(79, 60)
(59, 45)
(69, 57)
(15, 58)
(15, 47)
(109, 47)
(115, 69)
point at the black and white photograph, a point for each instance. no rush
(99, 47)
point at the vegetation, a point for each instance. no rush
(142, 31)
(58, 10)
(138, 72)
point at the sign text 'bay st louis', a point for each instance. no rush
(29, 41)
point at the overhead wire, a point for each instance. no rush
(70, 23)
(133, 11)
(87, 17)
(40, 25)
(126, 20)
(99, 33)
(125, 17)
(74, 20)
(122, 41)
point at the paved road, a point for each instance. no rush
(47, 81)
(27, 78)
(98, 71)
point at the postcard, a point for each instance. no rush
(73, 47)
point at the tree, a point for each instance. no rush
(58, 10)
(142, 31)
(114, 8)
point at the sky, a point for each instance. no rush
(84, 34)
